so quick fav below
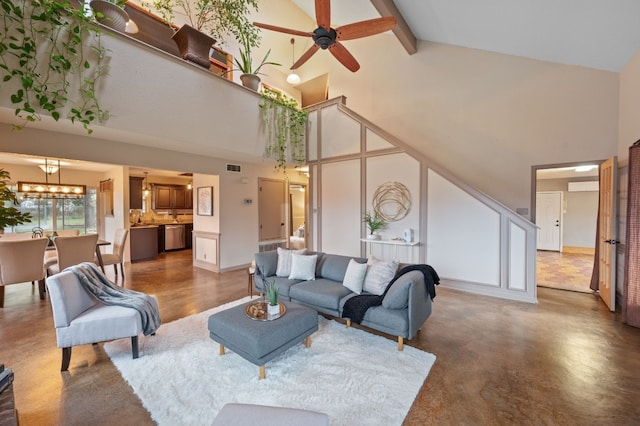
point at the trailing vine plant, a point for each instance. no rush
(51, 59)
(285, 126)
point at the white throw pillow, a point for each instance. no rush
(354, 277)
(284, 261)
(379, 274)
(303, 267)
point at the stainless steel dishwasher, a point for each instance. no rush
(174, 237)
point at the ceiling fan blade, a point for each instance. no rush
(342, 54)
(283, 30)
(365, 28)
(304, 58)
(323, 13)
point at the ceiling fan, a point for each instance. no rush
(325, 37)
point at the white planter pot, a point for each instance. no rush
(372, 237)
(273, 310)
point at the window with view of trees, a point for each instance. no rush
(53, 214)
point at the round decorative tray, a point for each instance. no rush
(258, 311)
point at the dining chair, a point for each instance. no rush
(21, 261)
(117, 257)
(51, 256)
(72, 251)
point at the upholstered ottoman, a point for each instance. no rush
(260, 341)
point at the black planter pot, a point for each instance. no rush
(194, 45)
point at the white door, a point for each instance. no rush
(271, 209)
(607, 232)
(549, 220)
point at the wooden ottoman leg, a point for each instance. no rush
(221, 352)
(307, 342)
(348, 323)
(261, 373)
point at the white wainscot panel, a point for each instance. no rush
(341, 208)
(340, 133)
(375, 142)
(463, 235)
(312, 136)
(205, 251)
(517, 258)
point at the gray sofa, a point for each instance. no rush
(404, 309)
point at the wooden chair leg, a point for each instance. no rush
(348, 323)
(1, 296)
(122, 269)
(261, 373)
(66, 358)
(400, 343)
(134, 346)
(115, 268)
(41, 289)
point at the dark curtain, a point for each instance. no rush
(631, 292)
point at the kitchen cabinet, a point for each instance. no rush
(135, 192)
(144, 243)
(167, 197)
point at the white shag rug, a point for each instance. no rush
(356, 377)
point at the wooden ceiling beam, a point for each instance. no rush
(401, 30)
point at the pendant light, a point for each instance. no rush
(293, 78)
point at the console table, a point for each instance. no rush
(395, 244)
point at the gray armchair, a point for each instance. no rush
(79, 318)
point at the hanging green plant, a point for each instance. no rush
(51, 58)
(285, 125)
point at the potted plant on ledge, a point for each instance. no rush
(374, 222)
(250, 75)
(207, 21)
(110, 13)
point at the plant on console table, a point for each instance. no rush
(374, 222)
(51, 61)
(285, 126)
(271, 292)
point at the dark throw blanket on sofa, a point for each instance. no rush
(357, 306)
(96, 283)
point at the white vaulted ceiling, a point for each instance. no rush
(601, 34)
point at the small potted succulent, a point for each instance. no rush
(271, 292)
(374, 222)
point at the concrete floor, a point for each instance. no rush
(566, 360)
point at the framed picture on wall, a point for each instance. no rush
(205, 201)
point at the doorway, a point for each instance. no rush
(298, 202)
(565, 208)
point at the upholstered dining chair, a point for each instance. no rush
(21, 261)
(117, 257)
(72, 251)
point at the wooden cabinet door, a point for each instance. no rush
(180, 198)
(135, 192)
(162, 198)
(189, 199)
